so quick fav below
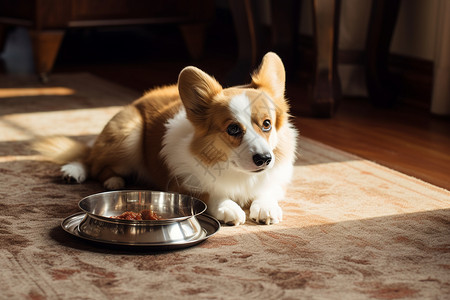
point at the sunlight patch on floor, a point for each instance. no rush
(35, 91)
(26, 126)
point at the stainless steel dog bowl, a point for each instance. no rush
(178, 221)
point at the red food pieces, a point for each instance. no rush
(146, 214)
(128, 215)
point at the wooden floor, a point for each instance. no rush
(404, 138)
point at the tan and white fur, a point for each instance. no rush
(233, 148)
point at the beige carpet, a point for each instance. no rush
(352, 229)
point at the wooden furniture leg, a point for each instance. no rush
(45, 49)
(326, 88)
(247, 31)
(285, 20)
(382, 91)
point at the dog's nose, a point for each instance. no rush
(262, 159)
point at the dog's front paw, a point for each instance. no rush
(229, 212)
(266, 212)
(114, 183)
(74, 172)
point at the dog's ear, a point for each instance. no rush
(270, 76)
(197, 90)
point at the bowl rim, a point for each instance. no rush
(142, 222)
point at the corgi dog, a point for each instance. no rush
(233, 148)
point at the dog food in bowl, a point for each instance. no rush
(146, 214)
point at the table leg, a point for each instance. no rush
(326, 89)
(45, 49)
(382, 92)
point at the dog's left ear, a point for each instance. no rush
(270, 76)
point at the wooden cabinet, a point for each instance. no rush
(47, 20)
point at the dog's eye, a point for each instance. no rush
(266, 126)
(234, 129)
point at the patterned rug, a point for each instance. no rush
(352, 229)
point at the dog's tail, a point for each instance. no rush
(61, 150)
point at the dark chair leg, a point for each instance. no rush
(246, 24)
(382, 91)
(285, 20)
(326, 89)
